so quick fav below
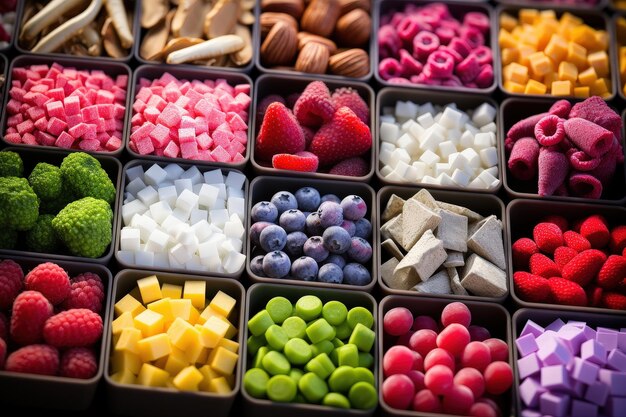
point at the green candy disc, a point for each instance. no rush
(255, 382)
(275, 363)
(342, 379)
(363, 396)
(281, 388)
(312, 387)
(309, 307)
(279, 309)
(334, 399)
(335, 312)
(360, 315)
(295, 327)
(276, 337)
(298, 351)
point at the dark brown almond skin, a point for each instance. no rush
(313, 58)
(350, 63)
(269, 19)
(280, 45)
(349, 5)
(320, 17)
(353, 29)
(294, 8)
(306, 37)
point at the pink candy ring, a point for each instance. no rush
(523, 160)
(445, 34)
(424, 44)
(473, 36)
(585, 185)
(581, 161)
(440, 10)
(549, 130)
(461, 46)
(477, 20)
(485, 77)
(396, 19)
(468, 69)
(408, 29)
(440, 64)
(389, 68)
(410, 66)
(483, 54)
(388, 41)
(561, 108)
(553, 167)
(457, 57)
(424, 79)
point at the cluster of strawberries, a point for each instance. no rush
(324, 132)
(53, 321)
(582, 263)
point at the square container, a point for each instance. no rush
(56, 392)
(590, 16)
(256, 298)
(457, 9)
(618, 41)
(263, 188)
(484, 204)
(572, 5)
(4, 69)
(110, 68)
(388, 96)
(18, 12)
(152, 72)
(288, 84)
(522, 216)
(172, 7)
(545, 317)
(513, 110)
(132, 9)
(31, 156)
(120, 222)
(493, 317)
(138, 400)
(282, 71)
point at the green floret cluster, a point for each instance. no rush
(8, 239)
(42, 237)
(19, 205)
(11, 164)
(86, 177)
(46, 181)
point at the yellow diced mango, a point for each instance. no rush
(568, 72)
(128, 340)
(213, 330)
(514, 87)
(507, 21)
(600, 62)
(556, 48)
(577, 55)
(149, 288)
(181, 308)
(130, 304)
(535, 87)
(171, 290)
(549, 78)
(219, 386)
(587, 77)
(188, 379)
(182, 334)
(223, 303)
(547, 14)
(603, 39)
(229, 345)
(508, 55)
(176, 361)
(206, 313)
(506, 40)
(540, 64)
(151, 376)
(515, 72)
(164, 308)
(585, 35)
(195, 291)
(581, 92)
(544, 34)
(599, 87)
(196, 353)
(207, 375)
(561, 88)
(568, 18)
(194, 316)
(149, 322)
(154, 347)
(124, 377)
(528, 16)
(121, 359)
(525, 52)
(224, 361)
(125, 320)
(530, 39)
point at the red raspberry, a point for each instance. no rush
(543, 266)
(594, 295)
(34, 359)
(3, 352)
(548, 237)
(4, 326)
(576, 241)
(612, 272)
(617, 241)
(265, 103)
(523, 248)
(562, 255)
(351, 167)
(30, 312)
(584, 267)
(309, 134)
(11, 277)
(558, 220)
(49, 279)
(350, 98)
(614, 300)
(73, 328)
(78, 362)
(314, 106)
(279, 133)
(301, 161)
(87, 291)
(594, 228)
(567, 292)
(533, 288)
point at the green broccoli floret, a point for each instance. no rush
(86, 177)
(8, 239)
(56, 205)
(85, 227)
(11, 164)
(42, 237)
(19, 205)
(46, 181)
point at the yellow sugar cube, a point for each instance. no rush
(581, 92)
(128, 340)
(130, 304)
(549, 78)
(125, 320)
(124, 377)
(561, 88)
(530, 38)
(547, 14)
(600, 62)
(223, 303)
(203, 357)
(164, 308)
(149, 322)
(540, 64)
(508, 55)
(213, 330)
(602, 38)
(182, 334)
(535, 87)
(525, 52)
(506, 39)
(556, 48)
(171, 290)
(151, 376)
(568, 18)
(507, 22)
(122, 359)
(196, 353)
(195, 291)
(176, 361)
(207, 375)
(599, 87)
(223, 361)
(188, 379)
(568, 72)
(528, 16)
(154, 347)
(181, 308)
(206, 313)
(577, 55)
(229, 345)
(514, 87)
(149, 288)
(585, 36)
(516, 73)
(544, 34)
(219, 386)
(587, 77)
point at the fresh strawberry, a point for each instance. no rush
(617, 241)
(532, 288)
(345, 136)
(614, 300)
(351, 167)
(314, 106)
(563, 254)
(28, 316)
(279, 133)
(594, 228)
(558, 220)
(576, 241)
(34, 359)
(523, 248)
(594, 295)
(543, 266)
(548, 237)
(584, 267)
(302, 161)
(566, 292)
(612, 272)
(350, 98)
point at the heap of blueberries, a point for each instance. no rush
(309, 237)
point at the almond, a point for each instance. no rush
(313, 58)
(320, 17)
(350, 63)
(280, 45)
(353, 29)
(349, 5)
(306, 37)
(269, 19)
(291, 7)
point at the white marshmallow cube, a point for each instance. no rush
(183, 184)
(130, 239)
(234, 262)
(148, 195)
(430, 158)
(484, 114)
(489, 157)
(132, 208)
(214, 177)
(409, 144)
(134, 172)
(193, 174)
(198, 215)
(168, 194)
(236, 206)
(389, 132)
(174, 171)
(158, 241)
(144, 258)
(135, 185)
(450, 118)
(154, 175)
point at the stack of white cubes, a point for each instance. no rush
(183, 219)
(430, 144)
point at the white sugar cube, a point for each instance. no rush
(467, 139)
(221, 191)
(130, 239)
(471, 128)
(389, 132)
(198, 215)
(445, 180)
(386, 146)
(430, 158)
(441, 168)
(409, 144)
(234, 192)
(235, 179)
(161, 260)
(180, 253)
(457, 160)
(187, 201)
(128, 199)
(427, 108)
(202, 230)
(426, 120)
(132, 208)
(237, 206)
(234, 262)
(166, 184)
(488, 179)
(430, 140)
(134, 186)
(493, 171)
(207, 250)
(385, 156)
(194, 264)
(460, 178)
(234, 228)
(144, 258)
(214, 177)
(197, 187)
(472, 157)
(208, 195)
(399, 155)
(489, 127)
(193, 174)
(489, 157)
(484, 114)
(416, 130)
(174, 172)
(173, 262)
(125, 257)
(446, 149)
(154, 175)
(386, 171)
(218, 217)
(220, 203)
(145, 225)
(477, 183)
(410, 175)
(427, 179)
(450, 118)
(421, 169)
(181, 214)
(454, 136)
(168, 194)
(186, 236)
(393, 176)
(482, 141)
(400, 169)
(406, 125)
(233, 244)
(171, 224)
(406, 110)
(465, 117)
(148, 195)
(134, 172)
(182, 185)
(158, 241)
(387, 118)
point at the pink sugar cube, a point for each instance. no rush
(89, 145)
(56, 126)
(226, 102)
(201, 125)
(55, 109)
(110, 124)
(215, 118)
(186, 135)
(39, 88)
(160, 136)
(243, 100)
(183, 102)
(90, 132)
(144, 94)
(220, 154)
(74, 120)
(19, 73)
(45, 138)
(113, 144)
(171, 92)
(103, 137)
(157, 90)
(106, 111)
(143, 131)
(27, 126)
(119, 111)
(16, 84)
(233, 148)
(47, 82)
(165, 79)
(158, 151)
(60, 82)
(109, 84)
(56, 93)
(151, 114)
(13, 106)
(38, 99)
(171, 150)
(24, 108)
(29, 139)
(193, 97)
(184, 87)
(13, 138)
(202, 88)
(41, 124)
(36, 113)
(238, 158)
(202, 108)
(119, 124)
(170, 116)
(187, 122)
(241, 137)
(14, 120)
(224, 127)
(132, 147)
(89, 113)
(119, 94)
(144, 145)
(139, 106)
(236, 122)
(65, 140)
(78, 130)
(174, 134)
(71, 105)
(117, 133)
(40, 69)
(92, 96)
(17, 93)
(221, 138)
(204, 155)
(242, 88)
(100, 125)
(144, 82)
(137, 119)
(189, 149)
(208, 83)
(121, 81)
(105, 97)
(204, 141)
(222, 83)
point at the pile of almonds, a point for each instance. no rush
(322, 36)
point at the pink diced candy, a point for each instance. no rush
(151, 114)
(188, 149)
(222, 138)
(186, 135)
(89, 113)
(106, 111)
(241, 137)
(233, 149)
(143, 94)
(13, 106)
(236, 122)
(100, 125)
(137, 119)
(55, 109)
(220, 154)
(27, 126)
(226, 101)
(13, 121)
(143, 131)
(65, 140)
(14, 138)
(243, 101)
(183, 102)
(139, 106)
(171, 92)
(119, 111)
(184, 87)
(90, 132)
(89, 144)
(193, 97)
(45, 138)
(36, 113)
(170, 116)
(41, 124)
(242, 88)
(113, 143)
(187, 122)
(203, 108)
(160, 136)
(215, 118)
(56, 93)
(40, 88)
(103, 137)
(204, 155)
(121, 81)
(238, 158)
(56, 126)
(204, 141)
(110, 125)
(171, 150)
(144, 145)
(105, 97)
(74, 120)
(71, 105)
(201, 125)
(165, 79)
(78, 130)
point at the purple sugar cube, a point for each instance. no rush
(526, 344)
(589, 333)
(554, 404)
(530, 390)
(578, 388)
(576, 323)
(553, 352)
(555, 377)
(615, 407)
(593, 351)
(616, 360)
(597, 393)
(616, 381)
(601, 329)
(585, 371)
(607, 338)
(527, 412)
(572, 337)
(533, 328)
(528, 365)
(583, 409)
(621, 340)
(556, 325)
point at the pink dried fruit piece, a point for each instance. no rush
(525, 127)
(588, 136)
(439, 64)
(410, 66)
(553, 167)
(314, 106)
(549, 130)
(523, 159)
(584, 185)
(468, 69)
(390, 68)
(424, 44)
(595, 109)
(561, 108)
(581, 161)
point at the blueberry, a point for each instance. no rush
(360, 250)
(356, 274)
(304, 268)
(330, 214)
(354, 207)
(273, 238)
(330, 197)
(336, 239)
(256, 265)
(308, 199)
(363, 228)
(264, 211)
(276, 264)
(314, 247)
(336, 259)
(349, 227)
(292, 220)
(313, 224)
(295, 243)
(284, 200)
(330, 274)
(255, 231)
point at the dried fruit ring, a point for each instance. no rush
(483, 54)
(440, 64)
(583, 162)
(389, 68)
(477, 20)
(550, 130)
(424, 44)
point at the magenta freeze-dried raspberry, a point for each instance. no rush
(410, 66)
(461, 46)
(581, 161)
(485, 77)
(398, 80)
(457, 56)
(477, 20)
(425, 78)
(508, 144)
(428, 18)
(396, 18)
(483, 54)
(389, 68)
(553, 167)
(525, 127)
(561, 108)
(408, 29)
(453, 81)
(440, 64)
(424, 44)
(585, 185)
(523, 160)
(468, 69)
(588, 136)
(608, 163)
(549, 130)
(473, 36)
(388, 41)
(445, 34)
